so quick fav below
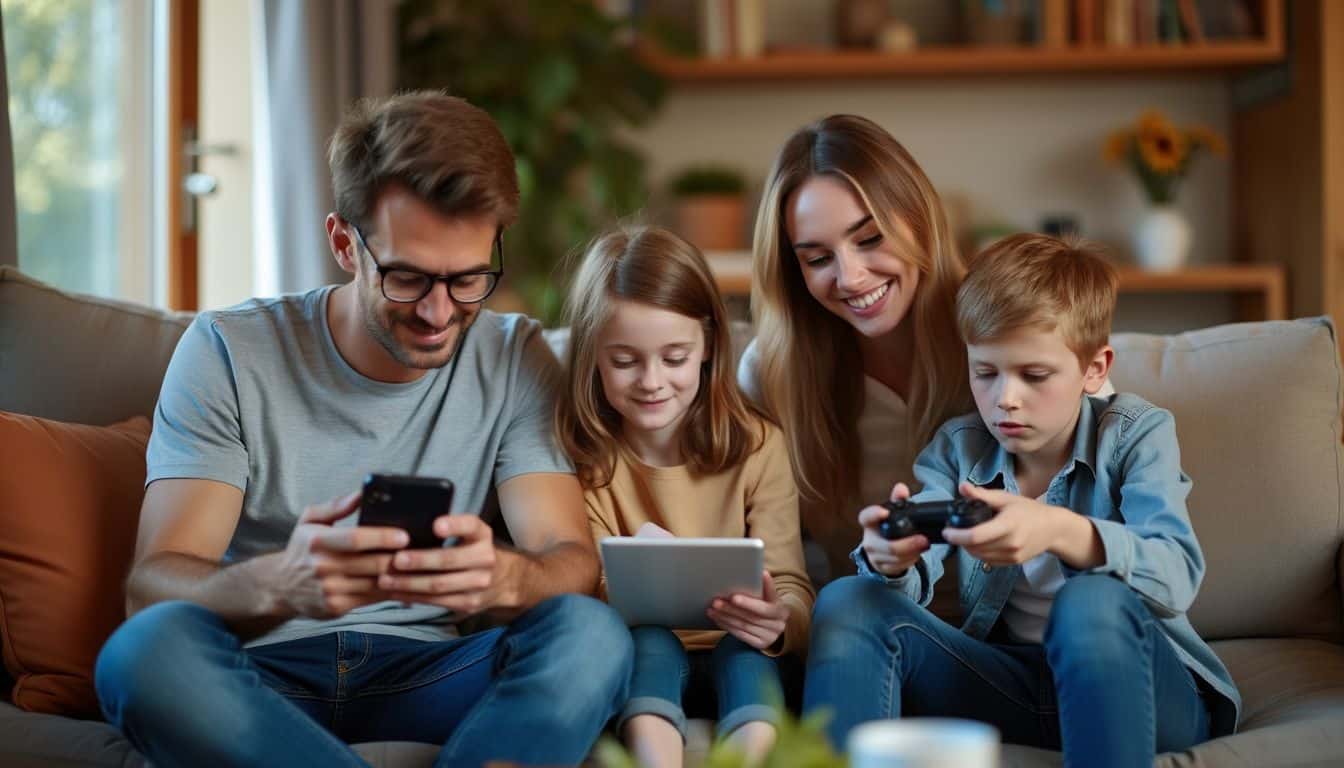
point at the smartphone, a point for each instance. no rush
(409, 503)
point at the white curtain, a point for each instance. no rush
(9, 245)
(317, 57)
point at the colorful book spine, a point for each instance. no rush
(1054, 23)
(1085, 22)
(1119, 22)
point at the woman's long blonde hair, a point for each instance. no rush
(652, 266)
(809, 364)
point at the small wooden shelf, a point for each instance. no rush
(1264, 284)
(967, 61)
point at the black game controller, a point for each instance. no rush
(929, 518)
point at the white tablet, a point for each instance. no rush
(670, 582)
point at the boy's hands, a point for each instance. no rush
(756, 621)
(889, 558)
(1023, 528)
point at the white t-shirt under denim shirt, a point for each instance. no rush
(884, 456)
(257, 396)
(1028, 607)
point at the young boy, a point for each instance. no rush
(1075, 592)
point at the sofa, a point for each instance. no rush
(1257, 409)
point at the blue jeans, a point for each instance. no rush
(1105, 686)
(746, 680)
(178, 683)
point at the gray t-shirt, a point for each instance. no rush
(258, 397)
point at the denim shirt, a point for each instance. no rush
(1125, 475)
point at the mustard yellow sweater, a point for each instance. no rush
(757, 498)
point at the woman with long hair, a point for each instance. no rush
(856, 354)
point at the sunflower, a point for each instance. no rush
(1159, 153)
(1162, 147)
(1152, 124)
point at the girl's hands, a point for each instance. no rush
(756, 621)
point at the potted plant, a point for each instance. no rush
(711, 210)
(563, 83)
(1160, 155)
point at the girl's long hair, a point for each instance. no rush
(652, 266)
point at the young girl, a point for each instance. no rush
(661, 434)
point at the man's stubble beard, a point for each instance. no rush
(383, 329)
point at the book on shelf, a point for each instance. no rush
(1119, 22)
(1145, 22)
(1190, 23)
(732, 28)
(1053, 19)
(1086, 14)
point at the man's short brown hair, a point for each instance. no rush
(1038, 282)
(446, 151)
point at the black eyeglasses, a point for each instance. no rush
(407, 286)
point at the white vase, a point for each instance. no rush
(1162, 239)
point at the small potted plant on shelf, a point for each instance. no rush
(711, 209)
(1160, 155)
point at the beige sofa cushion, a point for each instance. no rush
(1257, 409)
(1282, 681)
(76, 358)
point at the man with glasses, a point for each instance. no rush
(268, 626)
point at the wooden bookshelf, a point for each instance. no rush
(1262, 286)
(969, 60)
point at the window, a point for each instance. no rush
(82, 107)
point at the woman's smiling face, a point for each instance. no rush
(848, 265)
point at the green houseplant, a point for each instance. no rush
(562, 82)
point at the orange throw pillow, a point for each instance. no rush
(69, 506)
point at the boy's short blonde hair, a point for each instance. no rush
(1038, 282)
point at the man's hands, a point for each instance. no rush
(325, 571)
(756, 621)
(889, 558)
(466, 578)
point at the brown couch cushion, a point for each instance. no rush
(69, 505)
(1257, 409)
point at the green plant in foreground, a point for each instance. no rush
(799, 744)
